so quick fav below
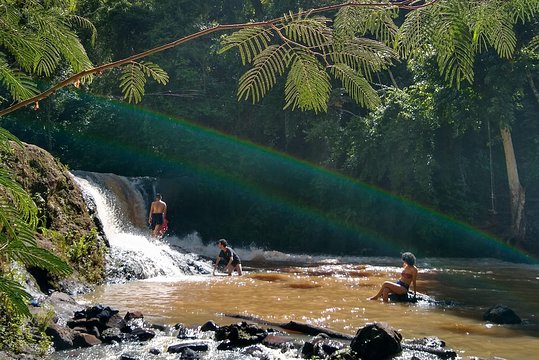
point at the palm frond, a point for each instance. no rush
(356, 86)
(533, 45)
(415, 33)
(521, 10)
(14, 294)
(38, 257)
(84, 23)
(267, 65)
(307, 85)
(249, 41)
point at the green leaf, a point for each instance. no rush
(307, 85)
(249, 41)
(258, 80)
(356, 86)
(132, 82)
(14, 295)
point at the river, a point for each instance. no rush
(330, 292)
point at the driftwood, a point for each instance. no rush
(295, 326)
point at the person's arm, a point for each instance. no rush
(414, 282)
(150, 215)
(216, 263)
(231, 256)
(165, 211)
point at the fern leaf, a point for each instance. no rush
(258, 80)
(312, 32)
(249, 41)
(20, 85)
(132, 82)
(14, 295)
(85, 24)
(41, 258)
(356, 86)
(415, 33)
(155, 71)
(307, 85)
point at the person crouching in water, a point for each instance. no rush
(231, 259)
(408, 277)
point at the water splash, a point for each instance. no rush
(133, 253)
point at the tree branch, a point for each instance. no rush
(75, 79)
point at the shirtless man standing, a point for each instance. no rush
(158, 210)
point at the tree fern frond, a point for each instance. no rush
(41, 258)
(258, 80)
(310, 31)
(533, 45)
(415, 33)
(351, 21)
(84, 23)
(12, 293)
(155, 71)
(307, 85)
(522, 10)
(492, 26)
(364, 55)
(249, 41)
(356, 86)
(19, 85)
(132, 82)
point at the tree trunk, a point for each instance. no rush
(517, 194)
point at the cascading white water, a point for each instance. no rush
(133, 253)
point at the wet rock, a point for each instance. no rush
(278, 341)
(239, 335)
(155, 351)
(130, 315)
(501, 314)
(426, 348)
(209, 326)
(129, 357)
(62, 337)
(194, 346)
(112, 335)
(376, 341)
(321, 346)
(85, 340)
(141, 334)
(158, 327)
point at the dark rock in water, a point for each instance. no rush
(112, 335)
(195, 346)
(239, 335)
(183, 332)
(425, 348)
(321, 346)
(501, 314)
(85, 340)
(141, 334)
(278, 341)
(189, 354)
(130, 315)
(129, 357)
(155, 351)
(209, 326)
(159, 327)
(62, 337)
(376, 341)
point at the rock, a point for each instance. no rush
(112, 335)
(64, 306)
(209, 326)
(195, 346)
(425, 348)
(141, 334)
(239, 335)
(376, 341)
(155, 351)
(62, 337)
(85, 340)
(278, 341)
(321, 346)
(501, 314)
(130, 315)
(129, 357)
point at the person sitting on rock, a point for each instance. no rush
(408, 277)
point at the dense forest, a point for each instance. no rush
(424, 170)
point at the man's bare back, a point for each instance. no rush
(158, 211)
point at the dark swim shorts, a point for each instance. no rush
(157, 219)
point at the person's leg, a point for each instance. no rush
(378, 294)
(392, 288)
(238, 269)
(157, 230)
(229, 268)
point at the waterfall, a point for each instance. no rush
(121, 206)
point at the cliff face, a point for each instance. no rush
(66, 226)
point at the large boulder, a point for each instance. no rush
(376, 341)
